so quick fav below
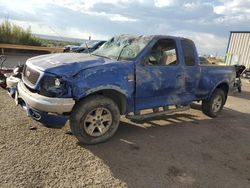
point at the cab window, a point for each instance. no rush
(188, 48)
(163, 53)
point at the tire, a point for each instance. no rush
(214, 105)
(94, 119)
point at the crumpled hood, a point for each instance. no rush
(65, 64)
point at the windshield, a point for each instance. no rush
(122, 47)
(90, 43)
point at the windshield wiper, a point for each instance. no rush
(101, 56)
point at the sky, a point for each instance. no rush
(208, 23)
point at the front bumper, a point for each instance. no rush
(42, 103)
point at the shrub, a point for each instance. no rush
(13, 34)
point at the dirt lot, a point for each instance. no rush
(183, 150)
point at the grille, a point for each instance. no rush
(31, 75)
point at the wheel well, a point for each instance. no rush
(119, 98)
(224, 87)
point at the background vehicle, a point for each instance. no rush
(4, 72)
(203, 60)
(246, 73)
(92, 45)
(123, 77)
(9, 77)
(239, 70)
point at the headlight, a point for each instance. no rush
(52, 87)
(57, 83)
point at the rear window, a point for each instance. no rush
(189, 52)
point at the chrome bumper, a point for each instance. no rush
(42, 103)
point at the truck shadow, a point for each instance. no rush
(170, 150)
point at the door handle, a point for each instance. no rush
(130, 78)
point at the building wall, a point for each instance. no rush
(238, 51)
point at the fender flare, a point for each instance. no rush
(106, 87)
(216, 86)
(120, 96)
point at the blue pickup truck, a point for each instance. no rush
(125, 76)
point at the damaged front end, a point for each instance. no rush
(45, 97)
(50, 111)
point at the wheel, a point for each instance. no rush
(94, 119)
(214, 105)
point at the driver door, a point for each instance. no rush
(159, 78)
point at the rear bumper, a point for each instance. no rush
(42, 103)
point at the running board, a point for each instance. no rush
(156, 112)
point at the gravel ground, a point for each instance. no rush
(187, 149)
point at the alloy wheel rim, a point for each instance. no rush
(217, 103)
(98, 121)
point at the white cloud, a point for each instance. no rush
(207, 22)
(189, 5)
(21, 7)
(163, 3)
(121, 18)
(73, 32)
(219, 9)
(209, 42)
(84, 6)
(205, 42)
(241, 7)
(234, 12)
(76, 33)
